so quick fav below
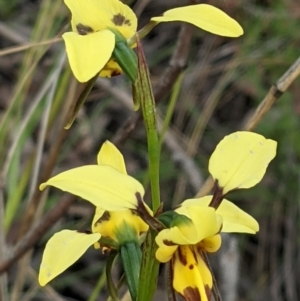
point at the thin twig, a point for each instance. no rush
(15, 49)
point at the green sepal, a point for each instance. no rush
(131, 256)
(125, 56)
(127, 59)
(172, 218)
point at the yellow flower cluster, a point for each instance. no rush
(239, 161)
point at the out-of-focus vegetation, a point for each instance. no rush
(223, 83)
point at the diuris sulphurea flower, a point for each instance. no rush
(116, 218)
(103, 30)
(239, 161)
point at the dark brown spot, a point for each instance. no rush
(191, 266)
(115, 73)
(168, 242)
(120, 20)
(192, 294)
(194, 254)
(83, 29)
(105, 217)
(133, 212)
(84, 231)
(182, 257)
(207, 291)
(217, 196)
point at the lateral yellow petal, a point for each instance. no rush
(211, 244)
(62, 250)
(165, 252)
(103, 14)
(88, 54)
(205, 16)
(192, 278)
(168, 240)
(110, 155)
(240, 160)
(234, 219)
(103, 186)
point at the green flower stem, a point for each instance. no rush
(149, 269)
(131, 256)
(143, 94)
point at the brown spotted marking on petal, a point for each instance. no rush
(84, 29)
(133, 212)
(182, 257)
(168, 242)
(84, 231)
(194, 254)
(120, 20)
(207, 291)
(191, 294)
(191, 266)
(115, 73)
(105, 217)
(199, 249)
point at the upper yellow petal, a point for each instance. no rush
(234, 219)
(205, 16)
(103, 186)
(191, 276)
(110, 155)
(88, 54)
(62, 250)
(204, 223)
(103, 14)
(240, 160)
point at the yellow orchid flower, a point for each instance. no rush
(66, 247)
(185, 242)
(240, 160)
(95, 23)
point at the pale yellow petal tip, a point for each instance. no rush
(255, 226)
(43, 186)
(204, 16)
(43, 280)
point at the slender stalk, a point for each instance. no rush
(143, 94)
